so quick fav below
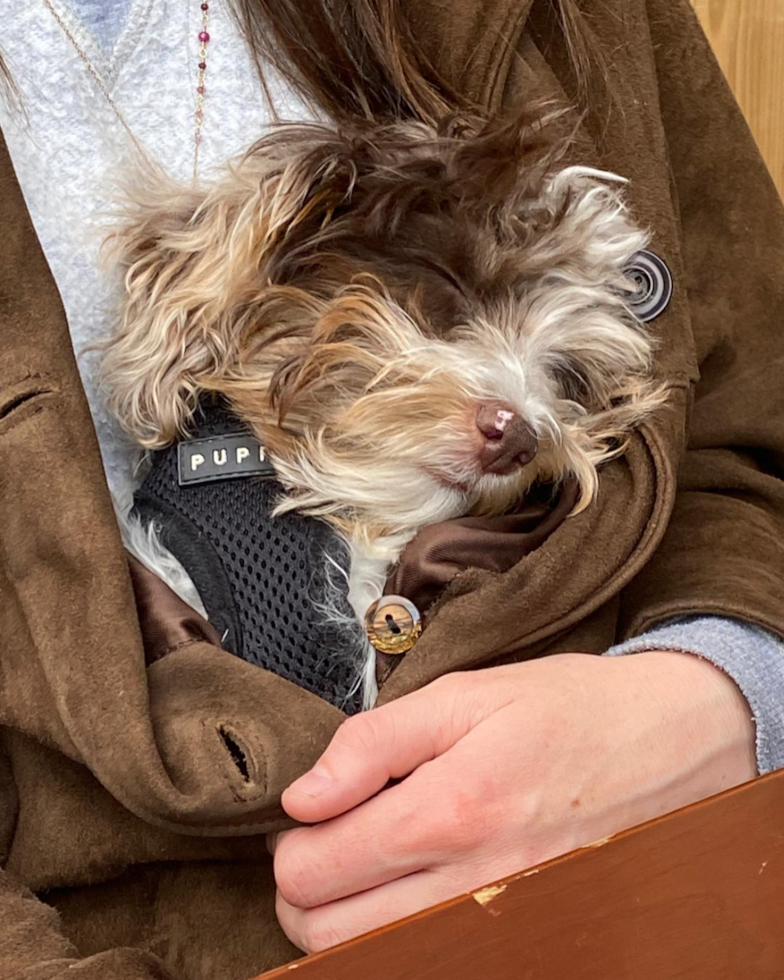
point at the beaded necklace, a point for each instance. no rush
(204, 40)
(201, 89)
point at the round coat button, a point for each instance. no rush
(650, 285)
(393, 624)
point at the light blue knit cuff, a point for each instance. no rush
(750, 655)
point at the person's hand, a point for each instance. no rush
(504, 768)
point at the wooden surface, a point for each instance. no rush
(748, 38)
(697, 895)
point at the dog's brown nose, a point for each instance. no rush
(509, 441)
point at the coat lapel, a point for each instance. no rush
(471, 43)
(73, 672)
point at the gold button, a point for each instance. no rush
(393, 624)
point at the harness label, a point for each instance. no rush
(228, 457)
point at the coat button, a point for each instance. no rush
(393, 624)
(650, 285)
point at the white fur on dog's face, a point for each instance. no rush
(399, 441)
(366, 402)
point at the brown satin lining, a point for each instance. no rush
(166, 621)
(440, 552)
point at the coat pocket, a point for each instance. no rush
(24, 398)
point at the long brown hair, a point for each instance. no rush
(357, 58)
(360, 58)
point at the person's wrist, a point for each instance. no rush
(706, 718)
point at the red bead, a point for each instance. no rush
(204, 37)
(203, 65)
(200, 90)
(205, 6)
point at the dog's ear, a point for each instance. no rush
(519, 176)
(500, 161)
(195, 268)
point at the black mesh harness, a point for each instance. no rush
(263, 580)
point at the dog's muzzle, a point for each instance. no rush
(508, 441)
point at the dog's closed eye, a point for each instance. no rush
(572, 384)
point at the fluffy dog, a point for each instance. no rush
(417, 323)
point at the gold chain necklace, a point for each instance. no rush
(204, 40)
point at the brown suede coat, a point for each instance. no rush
(122, 804)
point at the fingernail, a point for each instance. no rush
(313, 783)
(272, 840)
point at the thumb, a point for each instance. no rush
(382, 744)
